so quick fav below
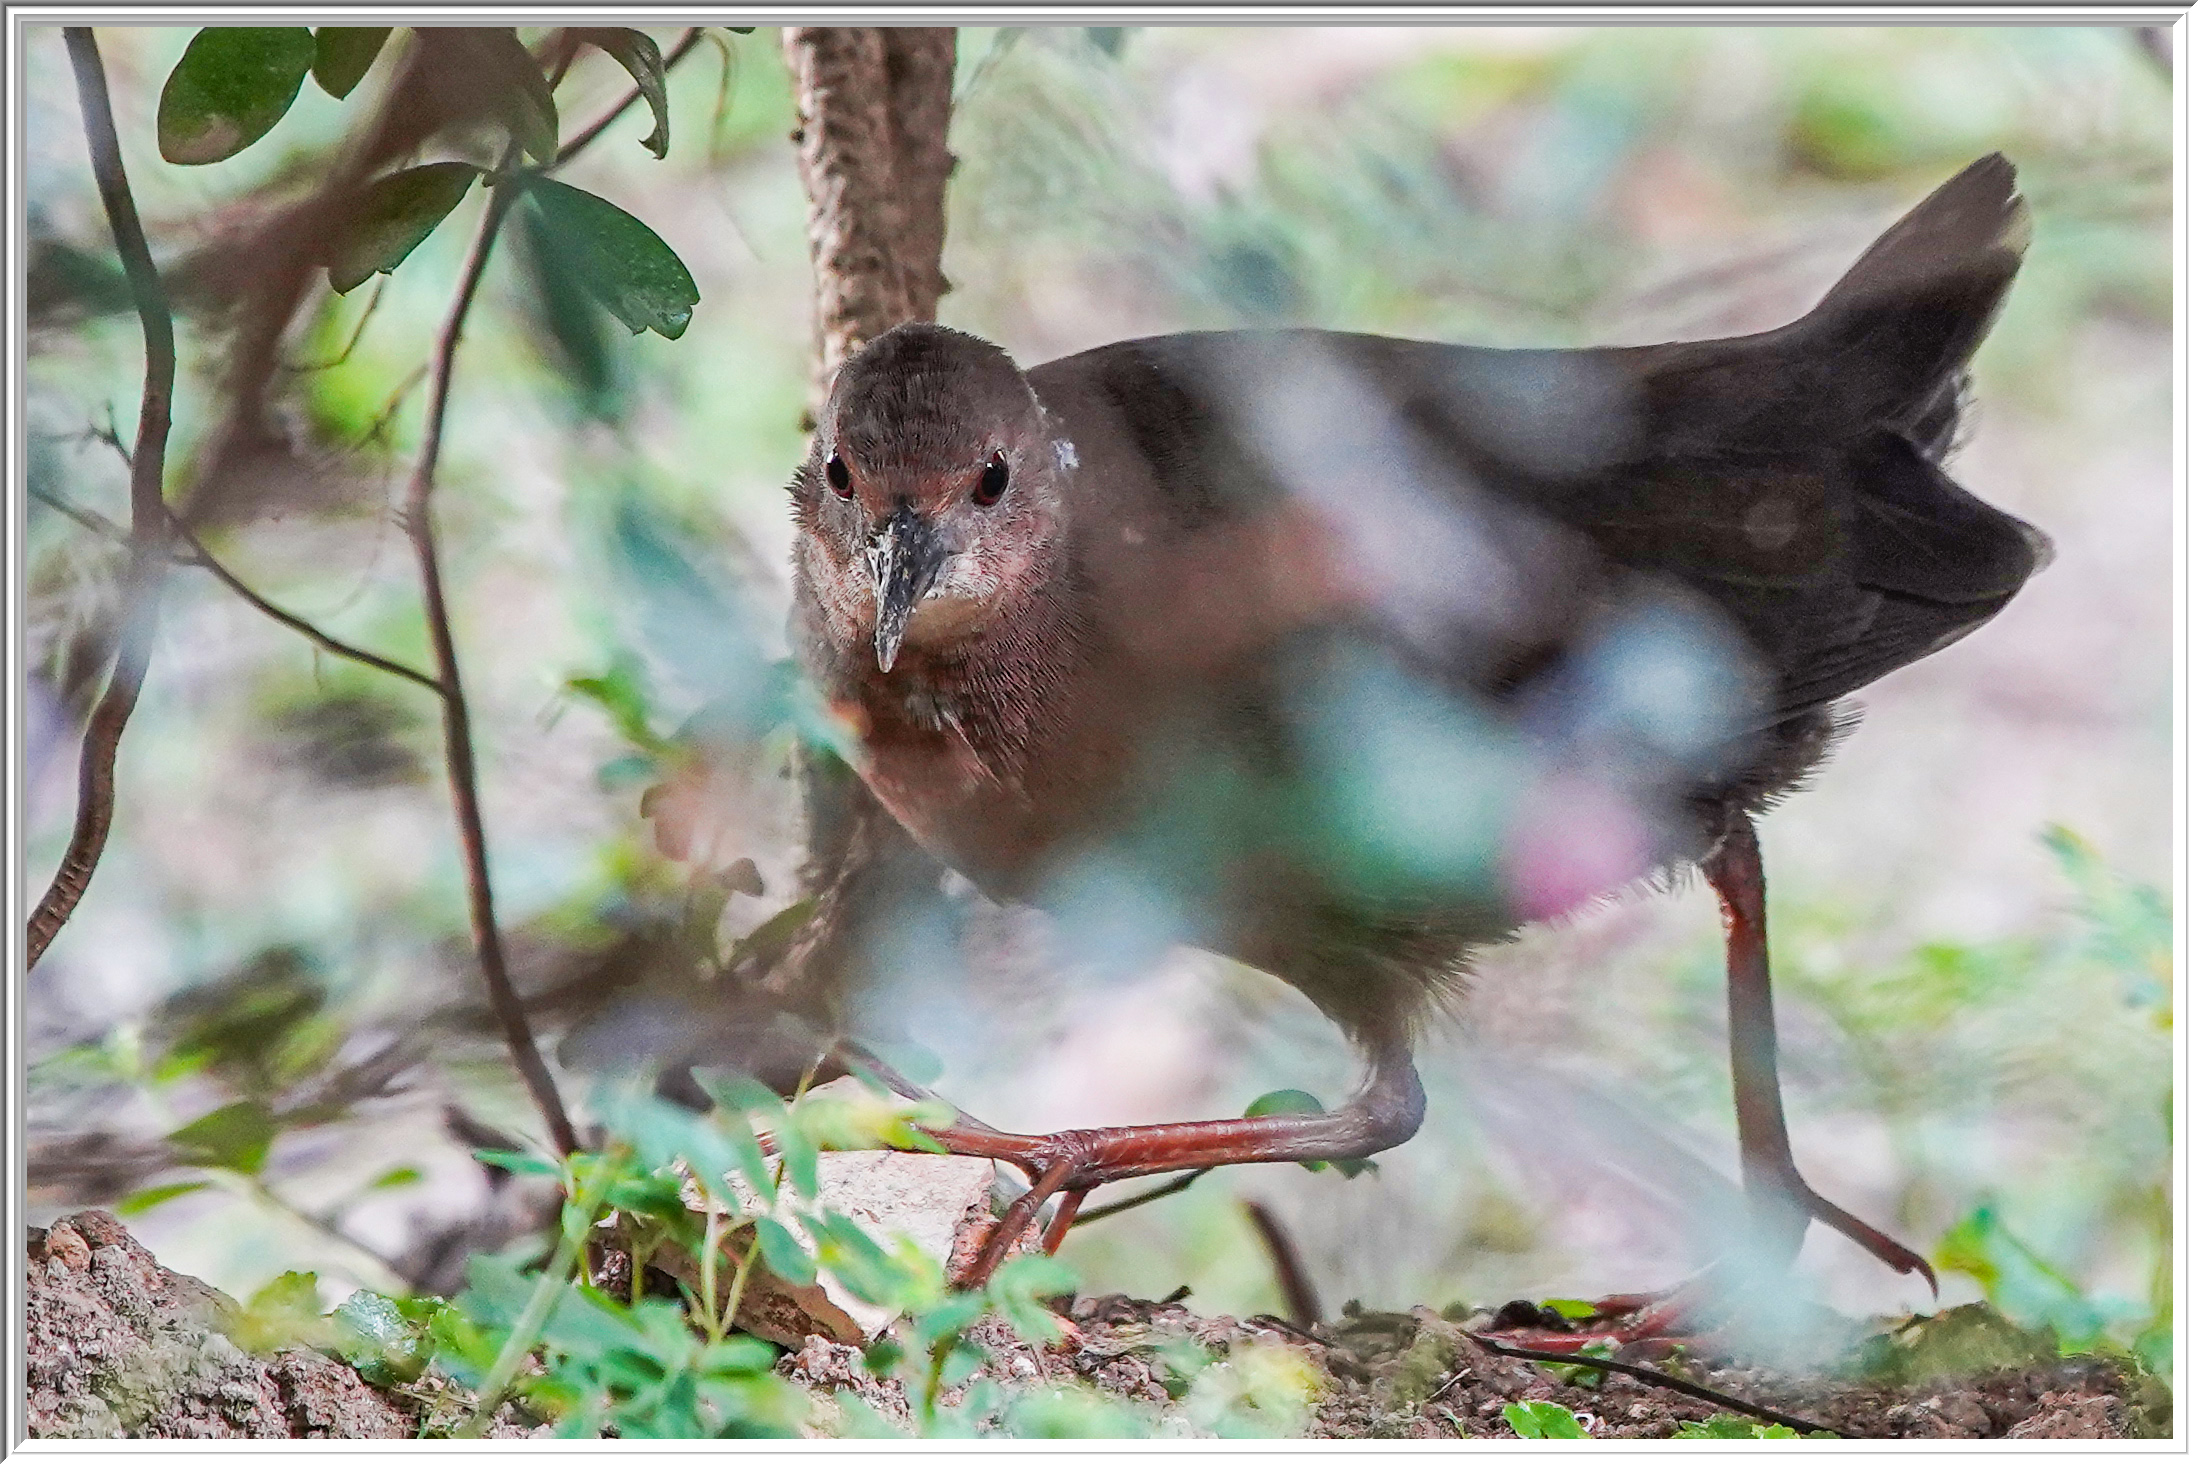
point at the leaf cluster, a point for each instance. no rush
(233, 84)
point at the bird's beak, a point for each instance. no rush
(904, 556)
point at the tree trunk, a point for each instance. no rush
(872, 143)
(873, 106)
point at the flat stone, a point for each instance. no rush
(941, 1203)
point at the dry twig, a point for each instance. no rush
(201, 558)
(1117, 1208)
(1649, 1375)
(458, 743)
(195, 555)
(1298, 1289)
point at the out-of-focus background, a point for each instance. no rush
(1970, 935)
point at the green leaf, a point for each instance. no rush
(883, 1356)
(1017, 1288)
(618, 259)
(739, 1093)
(1541, 1420)
(799, 1152)
(626, 771)
(1075, 1413)
(738, 1355)
(518, 1162)
(139, 1202)
(1728, 1427)
(585, 1322)
(235, 1138)
(1297, 1102)
(292, 1292)
(783, 1254)
(286, 1310)
(1283, 1102)
(915, 1062)
(465, 1346)
(646, 64)
(578, 332)
(623, 693)
(376, 1336)
(392, 217)
(739, 1097)
(774, 932)
(391, 1179)
(749, 1155)
(342, 54)
(233, 84)
(664, 1133)
(1585, 1374)
(497, 1290)
(526, 104)
(657, 1195)
(946, 1318)
(1570, 1307)
(848, 1253)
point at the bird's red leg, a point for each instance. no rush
(1781, 1204)
(1386, 1112)
(1065, 1217)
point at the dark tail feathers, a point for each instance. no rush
(1895, 332)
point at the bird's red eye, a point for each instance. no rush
(836, 474)
(993, 482)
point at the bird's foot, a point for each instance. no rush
(1714, 1305)
(1863, 1234)
(1068, 1164)
(1625, 1323)
(1065, 1165)
(1071, 1163)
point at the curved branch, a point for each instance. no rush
(458, 738)
(194, 555)
(201, 558)
(148, 510)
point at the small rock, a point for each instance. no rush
(2072, 1415)
(942, 1203)
(117, 1345)
(65, 1245)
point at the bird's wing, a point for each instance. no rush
(1787, 476)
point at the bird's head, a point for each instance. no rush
(931, 503)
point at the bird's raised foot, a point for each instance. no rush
(1069, 1163)
(1385, 1112)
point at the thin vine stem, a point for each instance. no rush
(458, 739)
(148, 509)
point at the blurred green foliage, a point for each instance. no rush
(648, 1367)
(1724, 1427)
